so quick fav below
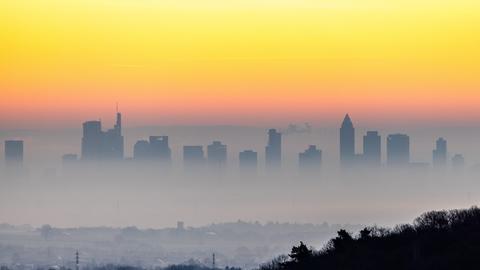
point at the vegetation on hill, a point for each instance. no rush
(435, 240)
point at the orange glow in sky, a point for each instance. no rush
(238, 62)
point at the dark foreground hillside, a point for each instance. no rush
(436, 240)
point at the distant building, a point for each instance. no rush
(14, 153)
(159, 148)
(273, 150)
(439, 154)
(310, 159)
(347, 143)
(113, 141)
(92, 140)
(193, 155)
(398, 150)
(248, 160)
(155, 149)
(180, 226)
(141, 150)
(458, 162)
(69, 158)
(372, 149)
(99, 145)
(217, 154)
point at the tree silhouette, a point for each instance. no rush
(300, 253)
(436, 240)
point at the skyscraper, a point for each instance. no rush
(372, 155)
(248, 160)
(14, 152)
(113, 141)
(310, 159)
(347, 142)
(141, 150)
(439, 154)
(98, 145)
(156, 148)
(159, 148)
(217, 154)
(273, 150)
(92, 140)
(398, 150)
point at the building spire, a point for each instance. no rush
(347, 121)
(118, 124)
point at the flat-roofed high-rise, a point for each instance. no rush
(273, 150)
(372, 149)
(13, 152)
(398, 150)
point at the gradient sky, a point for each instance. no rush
(238, 61)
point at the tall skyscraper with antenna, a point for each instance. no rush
(77, 261)
(113, 140)
(98, 145)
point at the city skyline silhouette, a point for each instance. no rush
(98, 145)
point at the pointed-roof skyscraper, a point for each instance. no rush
(347, 142)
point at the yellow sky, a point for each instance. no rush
(194, 61)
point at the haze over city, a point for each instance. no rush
(154, 133)
(211, 162)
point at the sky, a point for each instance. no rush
(239, 62)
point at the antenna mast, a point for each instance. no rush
(76, 261)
